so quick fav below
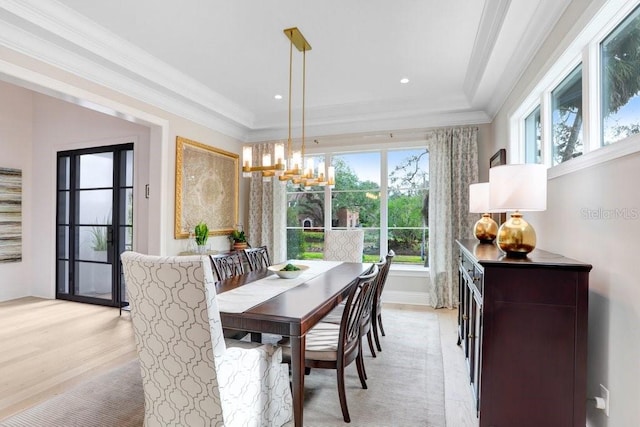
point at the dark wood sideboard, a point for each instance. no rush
(522, 324)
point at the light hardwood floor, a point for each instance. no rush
(47, 346)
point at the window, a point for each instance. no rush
(532, 132)
(620, 62)
(566, 121)
(392, 212)
(558, 122)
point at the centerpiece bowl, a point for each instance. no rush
(288, 274)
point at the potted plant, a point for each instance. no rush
(238, 240)
(202, 234)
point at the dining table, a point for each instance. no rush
(260, 302)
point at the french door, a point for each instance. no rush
(94, 223)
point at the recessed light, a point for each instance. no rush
(404, 80)
(278, 97)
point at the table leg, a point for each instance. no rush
(297, 368)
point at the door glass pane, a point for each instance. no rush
(96, 170)
(63, 173)
(620, 60)
(93, 280)
(92, 243)
(129, 169)
(126, 202)
(63, 242)
(63, 207)
(95, 206)
(63, 277)
(566, 121)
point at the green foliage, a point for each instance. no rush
(98, 238)
(202, 233)
(238, 236)
(296, 246)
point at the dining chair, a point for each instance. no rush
(377, 300)
(257, 258)
(335, 346)
(191, 375)
(343, 245)
(227, 265)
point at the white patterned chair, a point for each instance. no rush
(344, 245)
(190, 375)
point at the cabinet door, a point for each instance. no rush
(474, 340)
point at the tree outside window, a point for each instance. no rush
(620, 59)
(567, 116)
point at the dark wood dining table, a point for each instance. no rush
(292, 313)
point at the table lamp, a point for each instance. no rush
(485, 228)
(517, 188)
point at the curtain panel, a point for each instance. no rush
(267, 209)
(453, 165)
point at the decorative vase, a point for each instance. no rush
(238, 246)
(202, 249)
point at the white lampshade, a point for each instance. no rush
(479, 197)
(518, 187)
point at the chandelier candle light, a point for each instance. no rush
(485, 229)
(517, 188)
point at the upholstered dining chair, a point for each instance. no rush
(335, 346)
(343, 245)
(376, 313)
(227, 265)
(257, 258)
(191, 376)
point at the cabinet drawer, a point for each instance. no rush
(542, 287)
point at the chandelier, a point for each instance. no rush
(291, 168)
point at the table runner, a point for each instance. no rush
(243, 298)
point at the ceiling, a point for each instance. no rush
(220, 63)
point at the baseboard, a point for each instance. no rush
(410, 298)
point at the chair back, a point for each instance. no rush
(257, 258)
(343, 245)
(227, 265)
(178, 334)
(353, 312)
(382, 280)
(365, 321)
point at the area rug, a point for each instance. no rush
(405, 387)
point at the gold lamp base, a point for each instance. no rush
(516, 237)
(485, 229)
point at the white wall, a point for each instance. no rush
(606, 241)
(15, 152)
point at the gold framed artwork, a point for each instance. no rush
(207, 181)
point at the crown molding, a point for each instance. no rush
(53, 34)
(374, 123)
(491, 21)
(87, 50)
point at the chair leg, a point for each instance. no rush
(380, 323)
(374, 326)
(342, 395)
(370, 340)
(362, 372)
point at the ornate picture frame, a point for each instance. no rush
(207, 181)
(498, 159)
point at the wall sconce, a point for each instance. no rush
(517, 188)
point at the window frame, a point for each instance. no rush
(584, 48)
